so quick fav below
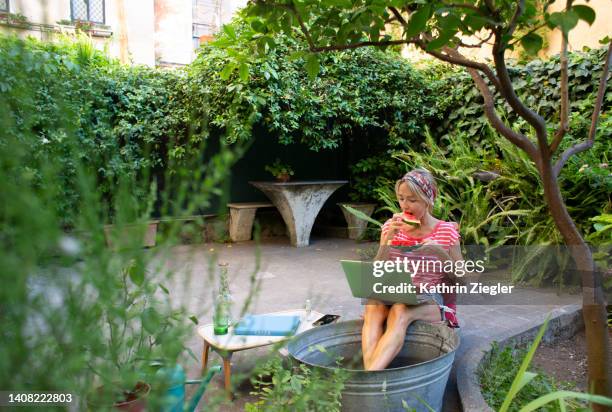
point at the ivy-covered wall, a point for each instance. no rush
(459, 104)
(129, 121)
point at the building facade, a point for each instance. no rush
(149, 32)
(168, 32)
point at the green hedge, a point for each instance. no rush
(357, 93)
(459, 103)
(129, 120)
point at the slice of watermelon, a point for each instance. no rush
(410, 219)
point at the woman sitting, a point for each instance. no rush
(385, 325)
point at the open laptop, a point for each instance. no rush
(361, 279)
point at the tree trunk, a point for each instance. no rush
(593, 302)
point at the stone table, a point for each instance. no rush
(299, 203)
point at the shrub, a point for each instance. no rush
(77, 316)
(130, 121)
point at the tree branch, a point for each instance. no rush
(492, 10)
(601, 91)
(489, 107)
(454, 57)
(507, 90)
(390, 20)
(520, 8)
(398, 16)
(339, 47)
(316, 49)
(477, 45)
(580, 147)
(466, 6)
(564, 115)
(303, 27)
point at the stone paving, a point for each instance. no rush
(288, 276)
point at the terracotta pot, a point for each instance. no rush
(149, 235)
(131, 401)
(135, 400)
(283, 177)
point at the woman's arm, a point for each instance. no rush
(455, 252)
(455, 255)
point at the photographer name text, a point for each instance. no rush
(441, 288)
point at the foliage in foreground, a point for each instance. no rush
(78, 316)
(498, 372)
(508, 386)
(296, 388)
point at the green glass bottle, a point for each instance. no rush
(221, 317)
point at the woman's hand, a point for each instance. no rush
(397, 223)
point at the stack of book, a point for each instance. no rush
(267, 325)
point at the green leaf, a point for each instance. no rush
(244, 72)
(565, 21)
(527, 377)
(312, 65)
(258, 26)
(164, 289)
(562, 407)
(227, 71)
(600, 227)
(543, 400)
(532, 43)
(475, 22)
(360, 215)
(194, 319)
(150, 320)
(296, 55)
(519, 379)
(418, 21)
(443, 39)
(585, 13)
(135, 273)
(229, 30)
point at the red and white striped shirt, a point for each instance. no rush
(444, 235)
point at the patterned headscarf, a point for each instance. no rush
(422, 183)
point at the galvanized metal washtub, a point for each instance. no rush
(418, 375)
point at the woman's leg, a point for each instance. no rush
(373, 324)
(400, 317)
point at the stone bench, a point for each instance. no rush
(179, 223)
(356, 226)
(184, 218)
(242, 216)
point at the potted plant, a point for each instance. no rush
(282, 172)
(142, 332)
(15, 20)
(122, 236)
(83, 26)
(130, 227)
